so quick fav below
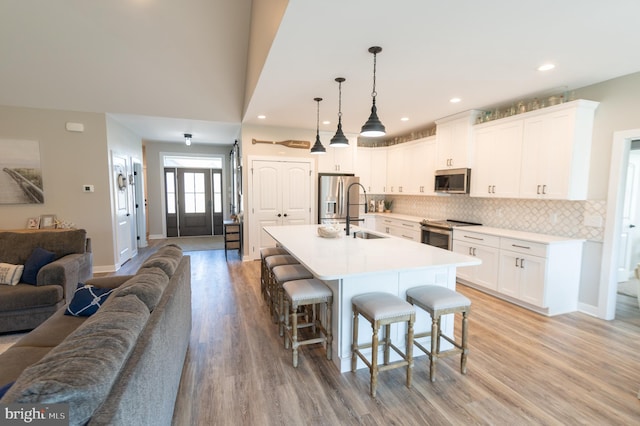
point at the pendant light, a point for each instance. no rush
(187, 139)
(339, 140)
(373, 127)
(317, 147)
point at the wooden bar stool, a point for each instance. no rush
(438, 301)
(382, 309)
(281, 274)
(264, 272)
(270, 263)
(307, 292)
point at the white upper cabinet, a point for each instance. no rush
(541, 154)
(371, 167)
(420, 161)
(498, 150)
(454, 141)
(337, 160)
(396, 169)
(556, 151)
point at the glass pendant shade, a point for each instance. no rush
(339, 140)
(317, 147)
(373, 127)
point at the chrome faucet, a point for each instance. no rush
(348, 204)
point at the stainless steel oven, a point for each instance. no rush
(439, 233)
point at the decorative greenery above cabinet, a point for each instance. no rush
(542, 154)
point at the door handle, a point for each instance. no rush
(632, 226)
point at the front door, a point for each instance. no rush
(194, 202)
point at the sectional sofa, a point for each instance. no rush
(122, 364)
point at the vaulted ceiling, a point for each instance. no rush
(164, 67)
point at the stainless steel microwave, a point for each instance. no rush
(453, 181)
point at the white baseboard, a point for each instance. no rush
(588, 309)
(103, 269)
(156, 237)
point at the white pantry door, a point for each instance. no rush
(280, 195)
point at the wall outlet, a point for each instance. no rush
(553, 218)
(87, 188)
(593, 220)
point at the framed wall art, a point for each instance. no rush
(20, 172)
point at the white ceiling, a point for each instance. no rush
(165, 67)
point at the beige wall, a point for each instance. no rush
(155, 178)
(68, 160)
(619, 109)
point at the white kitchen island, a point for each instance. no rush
(351, 266)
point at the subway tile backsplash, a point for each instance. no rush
(562, 218)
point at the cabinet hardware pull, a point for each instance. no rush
(544, 189)
(470, 254)
(408, 224)
(407, 237)
(538, 190)
(522, 263)
(473, 238)
(489, 189)
(517, 266)
(493, 189)
(279, 215)
(474, 251)
(524, 247)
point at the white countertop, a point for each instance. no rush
(398, 216)
(519, 235)
(335, 258)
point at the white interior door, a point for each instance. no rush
(280, 195)
(628, 255)
(122, 197)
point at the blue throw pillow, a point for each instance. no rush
(5, 388)
(39, 257)
(86, 300)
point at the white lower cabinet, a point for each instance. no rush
(484, 247)
(399, 228)
(522, 277)
(541, 273)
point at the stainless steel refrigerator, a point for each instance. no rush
(332, 197)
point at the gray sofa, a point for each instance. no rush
(25, 306)
(123, 364)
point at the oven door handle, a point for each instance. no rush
(437, 230)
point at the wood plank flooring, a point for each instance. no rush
(523, 368)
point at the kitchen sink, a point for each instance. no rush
(367, 235)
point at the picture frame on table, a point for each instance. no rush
(33, 223)
(47, 221)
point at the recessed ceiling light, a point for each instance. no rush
(454, 100)
(404, 119)
(262, 117)
(326, 122)
(546, 67)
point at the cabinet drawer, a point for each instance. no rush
(525, 247)
(232, 228)
(232, 237)
(474, 238)
(232, 245)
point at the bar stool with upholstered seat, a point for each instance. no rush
(382, 309)
(281, 274)
(264, 272)
(438, 301)
(270, 263)
(307, 292)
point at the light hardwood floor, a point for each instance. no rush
(523, 368)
